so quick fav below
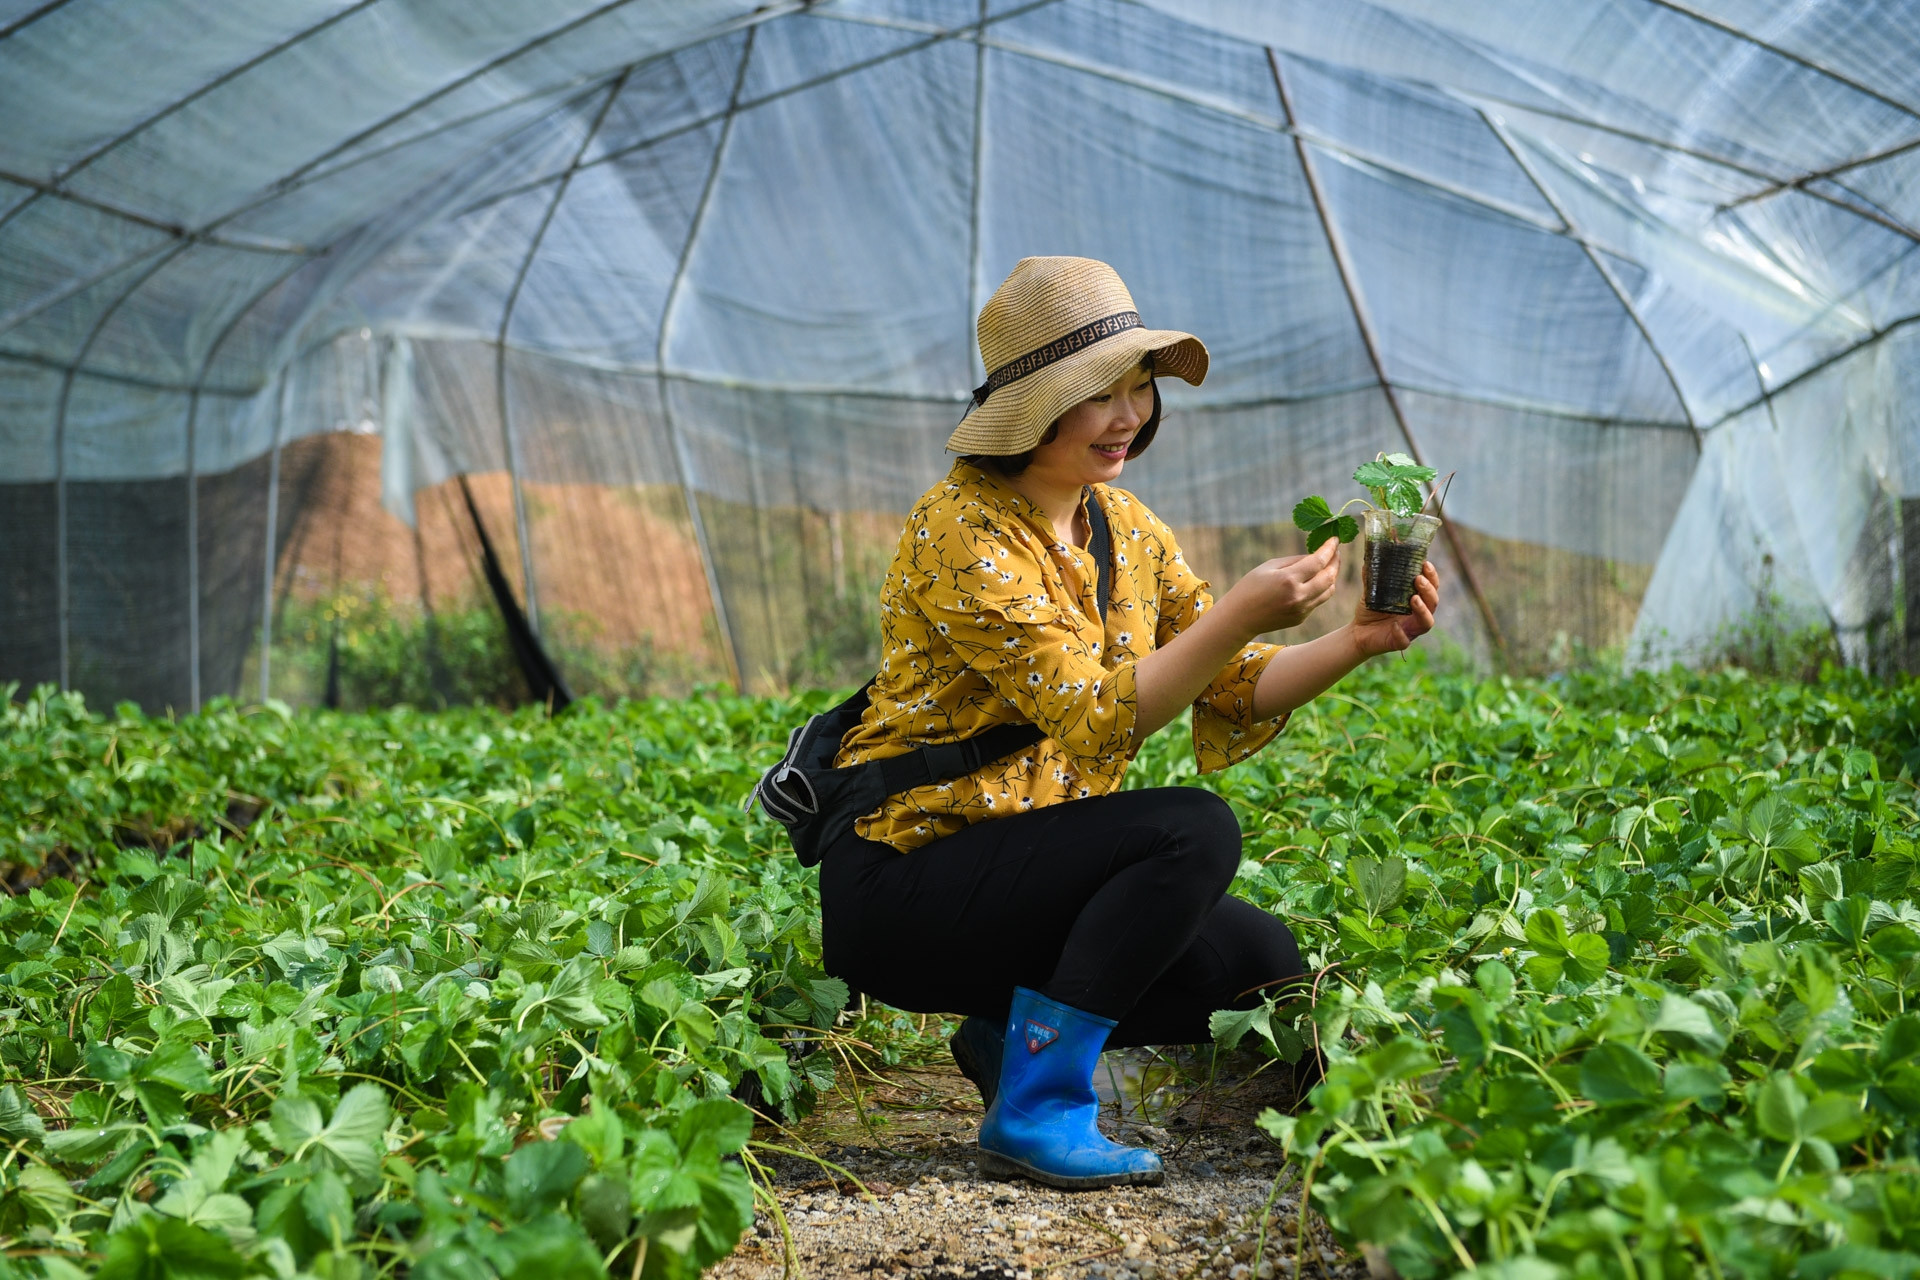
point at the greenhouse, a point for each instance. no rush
(688, 290)
(596, 685)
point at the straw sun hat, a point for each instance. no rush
(1055, 332)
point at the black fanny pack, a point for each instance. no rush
(818, 803)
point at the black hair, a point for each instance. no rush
(1012, 464)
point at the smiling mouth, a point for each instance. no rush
(1118, 450)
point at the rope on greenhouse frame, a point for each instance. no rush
(544, 681)
(1599, 264)
(1337, 247)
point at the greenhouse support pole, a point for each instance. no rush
(1350, 281)
(60, 449)
(1599, 264)
(60, 532)
(527, 584)
(193, 476)
(193, 555)
(730, 642)
(974, 282)
(273, 530)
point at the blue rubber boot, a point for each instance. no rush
(1041, 1123)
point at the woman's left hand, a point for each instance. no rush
(1377, 633)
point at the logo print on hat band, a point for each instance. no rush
(1059, 349)
(1039, 1035)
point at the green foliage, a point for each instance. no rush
(1313, 517)
(1622, 969)
(382, 653)
(1394, 480)
(469, 994)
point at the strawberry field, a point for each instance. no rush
(1613, 975)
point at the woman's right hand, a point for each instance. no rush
(1282, 592)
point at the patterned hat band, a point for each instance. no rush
(1059, 349)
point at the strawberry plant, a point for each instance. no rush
(1617, 976)
(463, 995)
(1393, 481)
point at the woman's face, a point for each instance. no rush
(1091, 439)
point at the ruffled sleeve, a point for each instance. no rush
(984, 591)
(1224, 729)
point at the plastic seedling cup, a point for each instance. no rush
(1396, 552)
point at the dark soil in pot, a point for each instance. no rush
(1389, 572)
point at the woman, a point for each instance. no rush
(1034, 895)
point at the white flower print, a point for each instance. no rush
(984, 582)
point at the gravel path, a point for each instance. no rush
(933, 1215)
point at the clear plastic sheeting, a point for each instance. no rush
(1643, 272)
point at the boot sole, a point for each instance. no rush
(994, 1165)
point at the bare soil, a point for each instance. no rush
(1229, 1208)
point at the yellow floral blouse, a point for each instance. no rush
(988, 617)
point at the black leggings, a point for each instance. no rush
(1116, 905)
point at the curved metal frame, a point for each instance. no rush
(967, 31)
(500, 353)
(730, 642)
(1336, 245)
(1606, 273)
(299, 176)
(28, 19)
(272, 531)
(60, 454)
(974, 282)
(193, 476)
(1726, 28)
(165, 254)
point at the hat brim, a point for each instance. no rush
(1015, 417)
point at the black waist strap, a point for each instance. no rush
(946, 761)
